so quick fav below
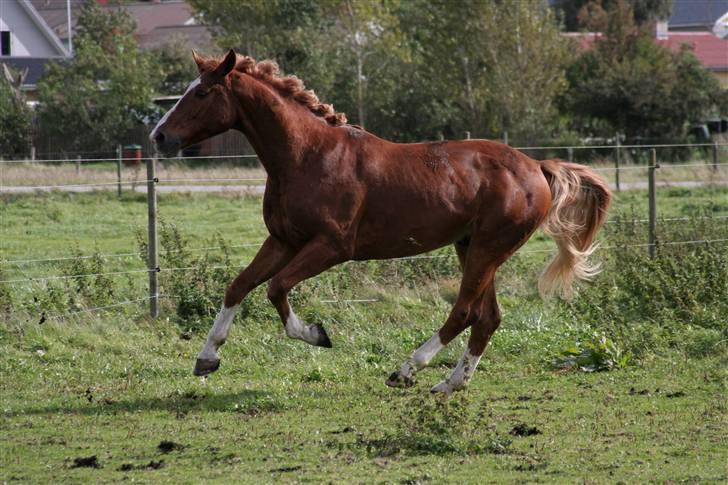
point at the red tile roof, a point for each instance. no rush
(712, 51)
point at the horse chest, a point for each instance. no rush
(290, 218)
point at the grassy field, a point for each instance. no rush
(108, 395)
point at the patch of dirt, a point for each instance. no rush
(643, 392)
(523, 429)
(675, 394)
(155, 465)
(166, 446)
(285, 469)
(152, 465)
(86, 462)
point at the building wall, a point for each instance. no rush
(26, 40)
(722, 78)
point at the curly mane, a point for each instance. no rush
(290, 87)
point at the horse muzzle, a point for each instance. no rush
(167, 145)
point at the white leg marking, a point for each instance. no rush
(460, 375)
(218, 333)
(192, 86)
(422, 356)
(295, 328)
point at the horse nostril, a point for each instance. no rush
(159, 138)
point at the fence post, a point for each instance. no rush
(118, 169)
(616, 163)
(651, 230)
(78, 164)
(715, 156)
(32, 152)
(570, 154)
(467, 135)
(505, 137)
(152, 257)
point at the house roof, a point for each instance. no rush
(55, 14)
(157, 23)
(696, 13)
(43, 27)
(711, 51)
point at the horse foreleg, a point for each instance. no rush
(271, 257)
(316, 257)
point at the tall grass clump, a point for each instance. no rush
(684, 288)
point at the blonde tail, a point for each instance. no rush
(580, 199)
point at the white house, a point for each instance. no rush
(26, 41)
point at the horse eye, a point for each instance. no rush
(201, 93)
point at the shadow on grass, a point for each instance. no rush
(244, 402)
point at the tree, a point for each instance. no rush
(629, 83)
(410, 69)
(106, 89)
(15, 116)
(574, 12)
(498, 66)
(178, 70)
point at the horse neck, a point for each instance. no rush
(279, 129)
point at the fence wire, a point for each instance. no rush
(162, 182)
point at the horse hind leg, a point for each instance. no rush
(485, 255)
(480, 334)
(456, 323)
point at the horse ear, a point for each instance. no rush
(227, 64)
(199, 60)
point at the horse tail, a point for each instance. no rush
(580, 199)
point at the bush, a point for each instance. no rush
(685, 284)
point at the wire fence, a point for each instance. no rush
(152, 183)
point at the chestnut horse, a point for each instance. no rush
(337, 193)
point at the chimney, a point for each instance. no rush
(661, 30)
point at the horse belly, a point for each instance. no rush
(397, 229)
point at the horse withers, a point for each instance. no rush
(336, 193)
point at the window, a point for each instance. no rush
(4, 43)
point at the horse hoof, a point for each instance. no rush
(443, 388)
(320, 338)
(398, 380)
(204, 367)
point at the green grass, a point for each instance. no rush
(280, 410)
(114, 384)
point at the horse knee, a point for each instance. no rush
(233, 296)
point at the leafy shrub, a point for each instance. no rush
(598, 354)
(683, 284)
(197, 282)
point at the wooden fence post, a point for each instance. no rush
(651, 229)
(78, 164)
(616, 163)
(152, 257)
(118, 169)
(715, 156)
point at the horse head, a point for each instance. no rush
(206, 109)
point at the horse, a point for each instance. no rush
(337, 193)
